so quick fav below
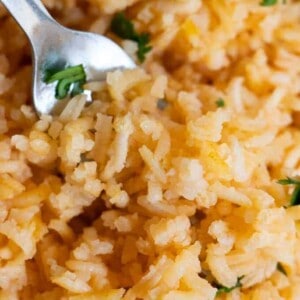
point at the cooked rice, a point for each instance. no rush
(128, 199)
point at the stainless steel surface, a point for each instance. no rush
(54, 45)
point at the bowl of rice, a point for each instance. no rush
(181, 180)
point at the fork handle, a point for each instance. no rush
(30, 15)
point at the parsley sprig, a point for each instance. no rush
(288, 181)
(223, 289)
(295, 197)
(70, 81)
(268, 2)
(220, 102)
(123, 27)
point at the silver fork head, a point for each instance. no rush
(56, 46)
(62, 47)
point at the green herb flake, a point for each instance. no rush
(281, 269)
(295, 197)
(70, 81)
(223, 289)
(49, 73)
(124, 29)
(268, 2)
(162, 104)
(78, 88)
(289, 181)
(143, 46)
(220, 102)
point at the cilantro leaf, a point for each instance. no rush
(143, 46)
(288, 181)
(49, 72)
(223, 289)
(268, 2)
(77, 87)
(281, 269)
(220, 102)
(295, 197)
(124, 29)
(66, 73)
(70, 78)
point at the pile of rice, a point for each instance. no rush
(153, 191)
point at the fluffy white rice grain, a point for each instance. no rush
(73, 109)
(159, 86)
(118, 152)
(166, 232)
(71, 282)
(55, 129)
(208, 127)
(231, 194)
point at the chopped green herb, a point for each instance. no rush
(124, 28)
(78, 88)
(268, 2)
(288, 181)
(66, 73)
(223, 289)
(48, 73)
(281, 269)
(162, 104)
(220, 102)
(71, 78)
(143, 46)
(295, 198)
